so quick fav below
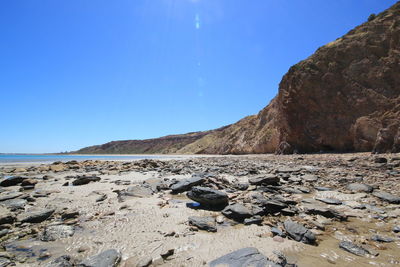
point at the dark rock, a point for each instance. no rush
(356, 187)
(82, 180)
(237, 212)
(396, 229)
(268, 179)
(322, 188)
(5, 262)
(256, 219)
(7, 218)
(208, 197)
(36, 216)
(15, 203)
(29, 181)
(380, 160)
(167, 252)
(102, 197)
(383, 239)
(108, 258)
(203, 223)
(186, 184)
(277, 231)
(12, 180)
(387, 197)
(244, 257)
(241, 186)
(330, 201)
(4, 232)
(69, 215)
(353, 248)
(55, 232)
(273, 206)
(299, 232)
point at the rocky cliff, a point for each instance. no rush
(344, 97)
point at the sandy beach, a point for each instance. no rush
(141, 210)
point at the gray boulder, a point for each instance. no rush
(353, 248)
(81, 180)
(138, 191)
(186, 184)
(11, 181)
(108, 258)
(203, 223)
(238, 212)
(245, 257)
(299, 232)
(36, 216)
(387, 197)
(268, 179)
(55, 232)
(208, 197)
(356, 187)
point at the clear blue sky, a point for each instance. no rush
(75, 73)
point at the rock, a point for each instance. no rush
(256, 219)
(353, 248)
(102, 197)
(138, 191)
(208, 197)
(383, 239)
(108, 258)
(288, 169)
(330, 201)
(380, 160)
(356, 187)
(57, 167)
(309, 178)
(14, 204)
(11, 181)
(82, 180)
(167, 252)
(273, 206)
(186, 184)
(203, 223)
(237, 212)
(4, 232)
(5, 262)
(69, 215)
(63, 261)
(36, 216)
(29, 181)
(324, 211)
(7, 218)
(322, 188)
(396, 229)
(6, 196)
(299, 232)
(244, 257)
(277, 231)
(387, 197)
(268, 179)
(144, 262)
(55, 232)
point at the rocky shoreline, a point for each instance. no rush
(264, 210)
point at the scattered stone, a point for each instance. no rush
(237, 212)
(242, 258)
(63, 261)
(186, 184)
(387, 197)
(380, 160)
(12, 180)
(353, 248)
(69, 215)
(102, 197)
(167, 253)
(330, 201)
(322, 188)
(203, 223)
(324, 211)
(208, 197)
(309, 178)
(256, 219)
(7, 196)
(55, 232)
(269, 179)
(382, 239)
(36, 216)
(138, 191)
(108, 258)
(356, 187)
(299, 232)
(82, 180)
(396, 229)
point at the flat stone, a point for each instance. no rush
(12, 180)
(387, 197)
(108, 258)
(138, 191)
(208, 197)
(309, 178)
(383, 239)
(6, 196)
(288, 169)
(322, 188)
(55, 232)
(237, 212)
(15, 203)
(36, 216)
(268, 179)
(186, 184)
(324, 211)
(82, 180)
(244, 257)
(203, 223)
(330, 201)
(272, 206)
(299, 233)
(256, 219)
(7, 218)
(353, 248)
(356, 187)
(62, 261)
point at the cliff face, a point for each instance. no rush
(345, 97)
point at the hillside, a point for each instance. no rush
(344, 97)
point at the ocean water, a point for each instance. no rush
(22, 158)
